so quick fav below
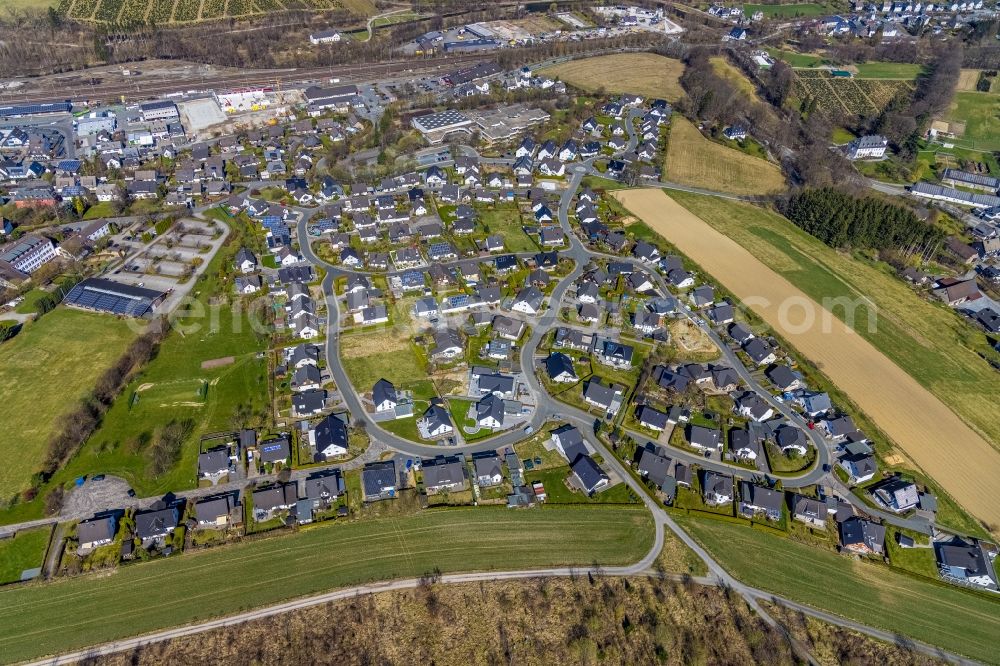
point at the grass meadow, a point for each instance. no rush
(699, 162)
(645, 74)
(25, 550)
(928, 610)
(44, 371)
(37, 620)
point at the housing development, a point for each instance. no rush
(700, 294)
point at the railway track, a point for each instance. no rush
(139, 89)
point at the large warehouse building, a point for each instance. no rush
(103, 295)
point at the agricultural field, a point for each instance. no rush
(644, 74)
(42, 376)
(694, 160)
(950, 617)
(837, 96)
(758, 256)
(166, 12)
(23, 551)
(979, 114)
(45, 619)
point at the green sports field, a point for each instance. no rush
(37, 620)
(950, 617)
(44, 371)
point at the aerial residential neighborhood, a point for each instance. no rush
(702, 297)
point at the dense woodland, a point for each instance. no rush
(585, 620)
(845, 221)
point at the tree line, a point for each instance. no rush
(845, 221)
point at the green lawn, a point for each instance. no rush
(796, 59)
(888, 70)
(554, 480)
(30, 303)
(506, 220)
(841, 135)
(928, 341)
(979, 112)
(101, 209)
(939, 614)
(918, 560)
(25, 550)
(786, 11)
(44, 371)
(45, 619)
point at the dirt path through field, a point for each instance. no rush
(931, 434)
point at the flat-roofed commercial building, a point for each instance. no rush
(436, 126)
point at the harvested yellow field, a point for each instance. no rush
(724, 69)
(940, 443)
(645, 74)
(696, 161)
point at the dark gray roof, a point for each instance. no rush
(274, 497)
(857, 531)
(599, 393)
(96, 529)
(309, 401)
(487, 464)
(436, 415)
(275, 450)
(443, 471)
(378, 475)
(211, 509)
(781, 376)
(496, 383)
(702, 436)
(588, 472)
(720, 484)
(149, 524)
(571, 441)
(330, 431)
(490, 406)
(382, 391)
(647, 414)
(654, 465)
(558, 363)
(760, 497)
(324, 485)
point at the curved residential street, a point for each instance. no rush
(546, 408)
